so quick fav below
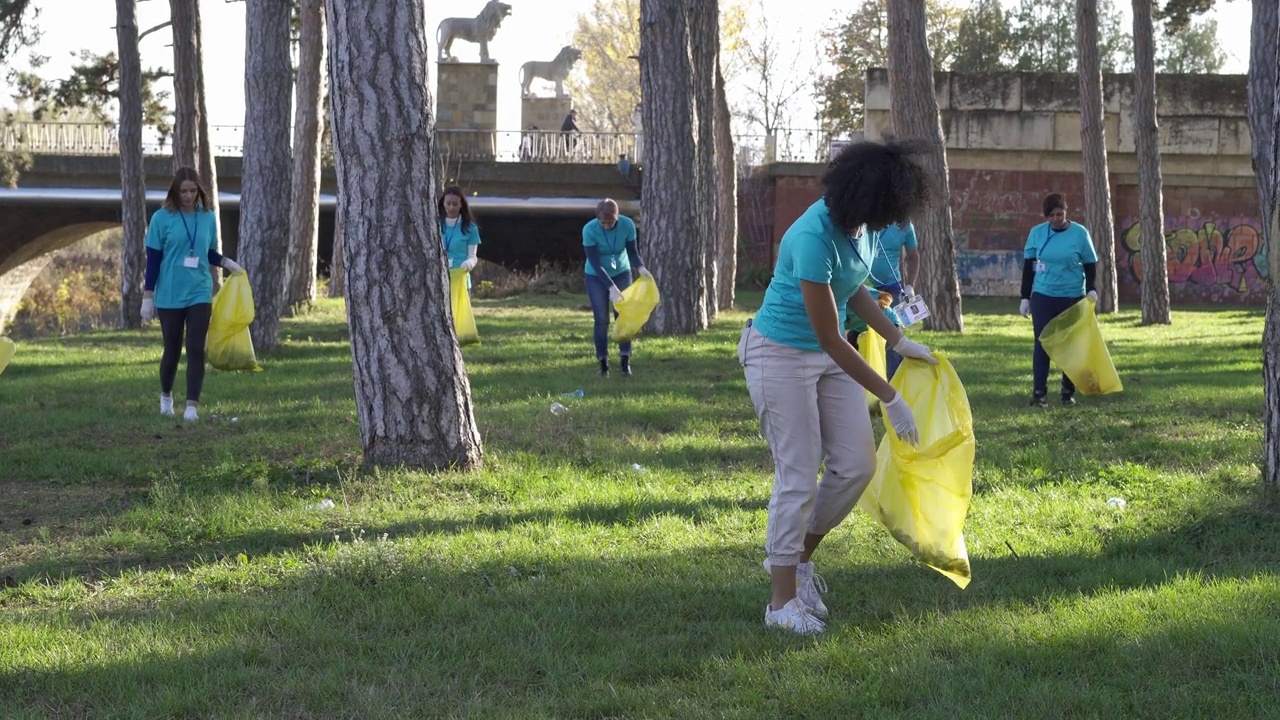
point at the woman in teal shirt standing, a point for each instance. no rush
(458, 230)
(807, 382)
(182, 244)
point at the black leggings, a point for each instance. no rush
(172, 320)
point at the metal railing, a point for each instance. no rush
(75, 138)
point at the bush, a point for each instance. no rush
(78, 291)
(490, 280)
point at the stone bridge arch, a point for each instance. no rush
(24, 255)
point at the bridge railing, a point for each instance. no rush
(545, 146)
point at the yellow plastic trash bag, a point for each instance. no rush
(1074, 343)
(637, 304)
(228, 345)
(464, 320)
(7, 349)
(871, 348)
(921, 494)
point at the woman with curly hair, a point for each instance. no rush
(807, 382)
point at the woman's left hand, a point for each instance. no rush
(644, 272)
(1093, 296)
(909, 348)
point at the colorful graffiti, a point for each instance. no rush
(1207, 257)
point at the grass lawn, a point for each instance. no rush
(156, 569)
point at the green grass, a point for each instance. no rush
(172, 570)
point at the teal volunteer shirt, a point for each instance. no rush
(1064, 254)
(812, 249)
(887, 267)
(457, 244)
(179, 236)
(612, 244)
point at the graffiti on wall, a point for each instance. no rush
(1213, 258)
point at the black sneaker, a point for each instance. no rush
(1039, 401)
(1068, 400)
(604, 367)
(625, 363)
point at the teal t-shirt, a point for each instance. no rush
(457, 244)
(887, 267)
(1064, 254)
(612, 244)
(812, 249)
(180, 235)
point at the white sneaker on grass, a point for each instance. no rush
(809, 588)
(793, 616)
(166, 404)
(190, 414)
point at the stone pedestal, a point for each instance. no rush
(466, 109)
(544, 112)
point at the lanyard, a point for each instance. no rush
(875, 240)
(609, 236)
(1050, 234)
(447, 233)
(191, 232)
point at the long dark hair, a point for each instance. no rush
(173, 202)
(876, 184)
(464, 214)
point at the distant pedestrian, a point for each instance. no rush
(182, 244)
(894, 272)
(567, 130)
(624, 165)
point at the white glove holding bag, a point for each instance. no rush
(644, 272)
(900, 418)
(148, 310)
(615, 295)
(1024, 307)
(1093, 296)
(468, 264)
(909, 348)
(231, 266)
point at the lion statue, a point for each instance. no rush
(556, 70)
(479, 29)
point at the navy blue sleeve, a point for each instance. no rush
(1090, 277)
(593, 257)
(633, 255)
(1028, 277)
(215, 258)
(154, 257)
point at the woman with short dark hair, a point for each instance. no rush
(182, 244)
(807, 382)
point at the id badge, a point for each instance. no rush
(911, 310)
(1040, 266)
(191, 261)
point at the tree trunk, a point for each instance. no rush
(133, 181)
(726, 200)
(412, 393)
(1093, 143)
(915, 116)
(704, 50)
(1155, 269)
(186, 84)
(1264, 125)
(264, 193)
(208, 168)
(677, 194)
(337, 267)
(304, 217)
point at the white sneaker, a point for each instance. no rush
(809, 587)
(166, 404)
(190, 414)
(794, 616)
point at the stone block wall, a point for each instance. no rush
(467, 96)
(546, 113)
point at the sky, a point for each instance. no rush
(535, 30)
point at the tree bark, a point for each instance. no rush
(304, 216)
(208, 167)
(1146, 131)
(1264, 125)
(677, 190)
(1093, 142)
(412, 394)
(264, 194)
(915, 116)
(186, 84)
(337, 267)
(726, 199)
(133, 181)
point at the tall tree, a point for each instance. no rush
(191, 144)
(1093, 144)
(984, 39)
(677, 188)
(606, 84)
(1193, 49)
(726, 174)
(133, 178)
(18, 26)
(264, 194)
(769, 76)
(308, 131)
(337, 266)
(412, 394)
(915, 115)
(1155, 270)
(704, 49)
(1041, 37)
(1264, 124)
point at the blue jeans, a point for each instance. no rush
(1043, 309)
(598, 293)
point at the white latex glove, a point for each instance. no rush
(468, 264)
(1024, 307)
(901, 419)
(231, 266)
(908, 348)
(644, 272)
(908, 291)
(148, 310)
(615, 295)
(1093, 296)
